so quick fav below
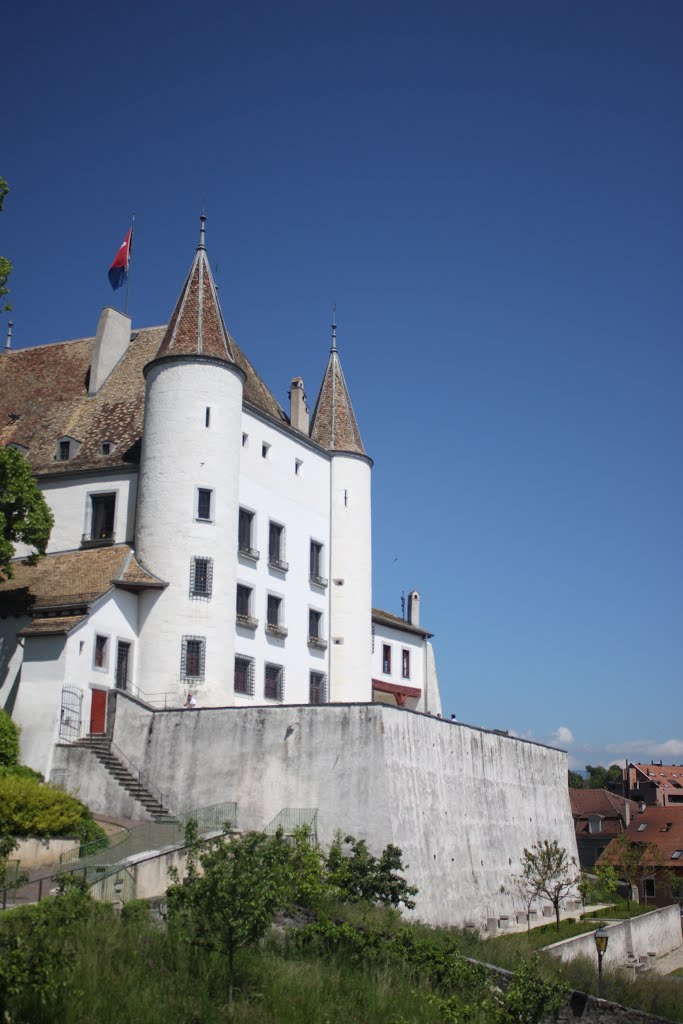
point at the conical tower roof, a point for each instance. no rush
(334, 423)
(196, 327)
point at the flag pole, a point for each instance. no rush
(130, 260)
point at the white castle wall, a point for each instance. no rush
(179, 455)
(272, 489)
(69, 500)
(351, 579)
(461, 802)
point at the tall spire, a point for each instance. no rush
(197, 327)
(334, 422)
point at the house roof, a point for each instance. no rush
(333, 424)
(663, 827)
(54, 625)
(609, 806)
(196, 326)
(387, 619)
(72, 580)
(662, 775)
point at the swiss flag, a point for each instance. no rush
(118, 271)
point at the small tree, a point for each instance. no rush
(356, 875)
(633, 861)
(9, 741)
(549, 869)
(25, 516)
(245, 880)
(674, 885)
(526, 890)
(575, 780)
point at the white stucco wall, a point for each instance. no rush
(38, 700)
(350, 579)
(11, 655)
(273, 490)
(69, 499)
(462, 803)
(399, 640)
(657, 932)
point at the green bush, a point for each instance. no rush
(31, 808)
(21, 770)
(9, 740)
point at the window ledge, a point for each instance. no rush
(317, 641)
(247, 621)
(319, 581)
(251, 553)
(278, 631)
(90, 541)
(277, 563)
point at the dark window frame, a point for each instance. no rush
(204, 495)
(273, 687)
(317, 688)
(193, 658)
(201, 576)
(386, 659)
(249, 676)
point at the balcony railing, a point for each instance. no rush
(247, 621)
(319, 581)
(97, 540)
(318, 642)
(250, 553)
(273, 629)
(278, 563)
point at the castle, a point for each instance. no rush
(208, 544)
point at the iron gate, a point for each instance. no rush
(70, 715)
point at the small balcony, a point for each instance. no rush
(273, 629)
(247, 621)
(100, 539)
(251, 553)
(317, 642)
(318, 581)
(278, 563)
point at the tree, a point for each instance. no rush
(633, 861)
(575, 780)
(599, 777)
(525, 888)
(25, 516)
(5, 265)
(245, 880)
(674, 883)
(548, 867)
(355, 875)
(9, 741)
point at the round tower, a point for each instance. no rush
(335, 427)
(187, 512)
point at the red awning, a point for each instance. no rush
(401, 693)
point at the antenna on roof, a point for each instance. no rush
(403, 604)
(202, 230)
(334, 327)
(8, 342)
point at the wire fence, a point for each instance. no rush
(291, 818)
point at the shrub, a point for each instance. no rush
(30, 808)
(21, 770)
(9, 740)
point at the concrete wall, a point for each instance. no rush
(461, 802)
(34, 853)
(657, 932)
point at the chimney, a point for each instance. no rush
(626, 814)
(298, 409)
(414, 608)
(111, 344)
(8, 342)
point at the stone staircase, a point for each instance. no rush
(101, 748)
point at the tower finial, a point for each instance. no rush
(334, 327)
(8, 342)
(202, 222)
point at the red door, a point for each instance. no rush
(98, 711)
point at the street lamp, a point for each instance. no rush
(601, 940)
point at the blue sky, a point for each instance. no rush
(491, 193)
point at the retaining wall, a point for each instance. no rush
(657, 932)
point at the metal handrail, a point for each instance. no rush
(154, 698)
(141, 776)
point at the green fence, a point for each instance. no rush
(113, 886)
(290, 818)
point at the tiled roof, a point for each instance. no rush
(72, 579)
(387, 619)
(664, 828)
(196, 326)
(598, 801)
(52, 626)
(664, 775)
(334, 423)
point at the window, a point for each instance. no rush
(245, 438)
(122, 664)
(106, 448)
(101, 657)
(244, 675)
(405, 664)
(102, 514)
(297, 467)
(274, 609)
(317, 688)
(315, 620)
(274, 684)
(276, 547)
(676, 855)
(192, 658)
(642, 826)
(246, 530)
(265, 448)
(386, 659)
(316, 564)
(201, 577)
(594, 824)
(649, 888)
(64, 451)
(204, 502)
(244, 616)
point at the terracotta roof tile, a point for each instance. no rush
(334, 423)
(52, 625)
(664, 828)
(598, 801)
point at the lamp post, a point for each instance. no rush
(601, 940)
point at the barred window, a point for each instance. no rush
(201, 577)
(192, 658)
(274, 687)
(244, 675)
(386, 659)
(318, 688)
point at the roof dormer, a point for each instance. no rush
(67, 448)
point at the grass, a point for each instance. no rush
(620, 911)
